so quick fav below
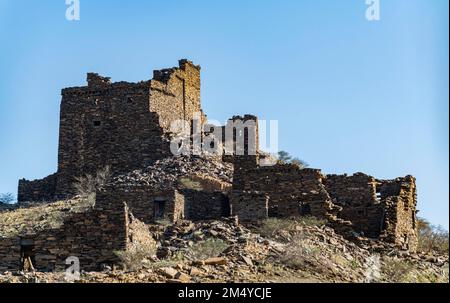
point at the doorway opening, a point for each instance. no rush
(27, 255)
(159, 207)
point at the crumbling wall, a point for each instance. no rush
(37, 190)
(292, 191)
(400, 224)
(175, 93)
(141, 201)
(360, 203)
(91, 236)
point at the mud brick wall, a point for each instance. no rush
(400, 199)
(140, 200)
(249, 206)
(201, 205)
(37, 190)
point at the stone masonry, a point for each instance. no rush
(127, 126)
(123, 125)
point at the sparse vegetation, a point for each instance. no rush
(212, 247)
(7, 198)
(272, 227)
(432, 238)
(38, 218)
(298, 252)
(285, 157)
(87, 185)
(190, 184)
(135, 257)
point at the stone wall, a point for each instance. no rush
(400, 224)
(175, 93)
(292, 191)
(37, 190)
(108, 125)
(249, 206)
(93, 237)
(141, 201)
(202, 205)
(360, 203)
(122, 125)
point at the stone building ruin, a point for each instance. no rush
(126, 126)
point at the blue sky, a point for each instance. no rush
(350, 95)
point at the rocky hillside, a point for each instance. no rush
(303, 250)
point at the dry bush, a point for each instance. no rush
(87, 186)
(135, 256)
(272, 227)
(209, 248)
(432, 239)
(397, 270)
(299, 253)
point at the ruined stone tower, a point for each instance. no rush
(123, 125)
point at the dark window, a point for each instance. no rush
(305, 209)
(130, 100)
(159, 206)
(97, 123)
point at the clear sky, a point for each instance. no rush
(350, 95)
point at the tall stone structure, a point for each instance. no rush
(123, 125)
(127, 126)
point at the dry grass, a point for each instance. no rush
(136, 256)
(209, 248)
(87, 185)
(188, 183)
(299, 253)
(39, 217)
(272, 227)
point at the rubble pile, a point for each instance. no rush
(167, 171)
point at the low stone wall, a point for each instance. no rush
(92, 236)
(140, 199)
(37, 190)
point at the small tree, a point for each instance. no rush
(7, 198)
(285, 157)
(432, 238)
